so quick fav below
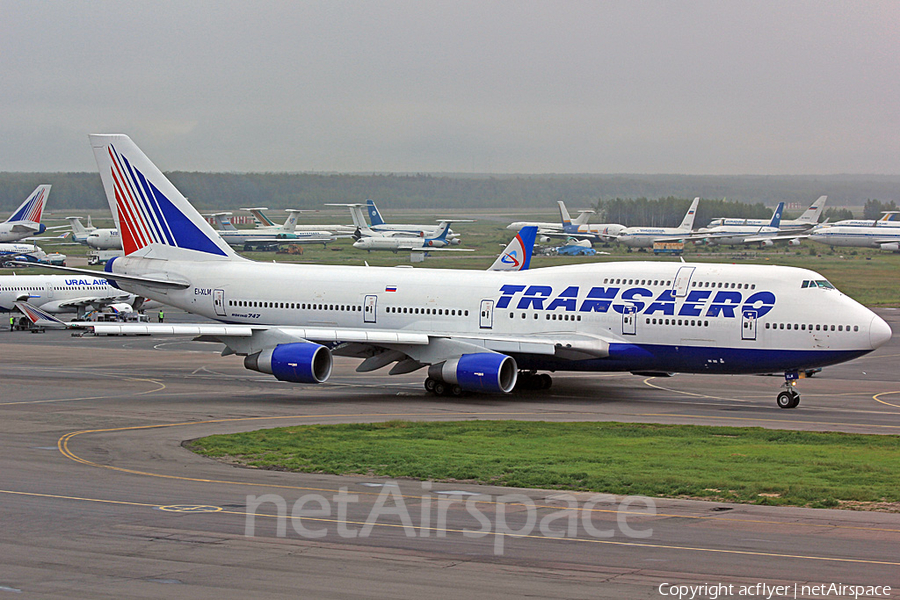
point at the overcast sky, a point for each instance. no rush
(507, 87)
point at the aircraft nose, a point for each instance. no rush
(879, 332)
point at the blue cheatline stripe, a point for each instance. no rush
(694, 359)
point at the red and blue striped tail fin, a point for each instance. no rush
(154, 218)
(33, 207)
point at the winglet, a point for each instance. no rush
(517, 254)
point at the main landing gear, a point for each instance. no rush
(441, 388)
(526, 380)
(529, 380)
(789, 398)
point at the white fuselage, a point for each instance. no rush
(12, 250)
(643, 237)
(398, 243)
(104, 239)
(881, 237)
(239, 237)
(58, 293)
(730, 235)
(787, 225)
(656, 316)
(13, 231)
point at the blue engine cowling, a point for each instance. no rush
(303, 362)
(481, 372)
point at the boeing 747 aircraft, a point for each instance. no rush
(478, 331)
(26, 221)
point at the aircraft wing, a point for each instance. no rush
(378, 348)
(95, 301)
(775, 238)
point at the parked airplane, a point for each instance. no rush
(597, 232)
(548, 227)
(886, 220)
(807, 220)
(473, 330)
(97, 238)
(26, 220)
(881, 237)
(643, 237)
(65, 293)
(366, 239)
(393, 230)
(731, 235)
(29, 253)
(271, 237)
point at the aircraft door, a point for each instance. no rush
(487, 314)
(629, 320)
(748, 325)
(219, 302)
(369, 307)
(48, 290)
(683, 281)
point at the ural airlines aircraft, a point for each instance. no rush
(63, 293)
(807, 220)
(643, 237)
(475, 331)
(26, 221)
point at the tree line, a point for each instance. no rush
(208, 191)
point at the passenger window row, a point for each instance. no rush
(440, 312)
(805, 327)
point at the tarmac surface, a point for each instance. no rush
(99, 499)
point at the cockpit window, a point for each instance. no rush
(819, 283)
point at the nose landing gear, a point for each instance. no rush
(789, 398)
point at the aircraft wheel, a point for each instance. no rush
(787, 400)
(455, 390)
(429, 385)
(546, 381)
(440, 388)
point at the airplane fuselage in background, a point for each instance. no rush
(56, 293)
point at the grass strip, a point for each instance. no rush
(746, 464)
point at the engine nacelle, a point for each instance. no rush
(481, 372)
(795, 242)
(767, 243)
(891, 247)
(303, 362)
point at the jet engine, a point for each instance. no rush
(302, 362)
(767, 243)
(481, 372)
(891, 246)
(795, 242)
